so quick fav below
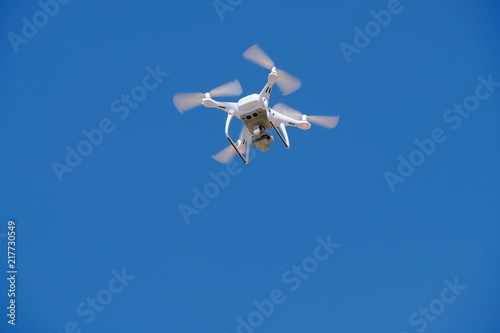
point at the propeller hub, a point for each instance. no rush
(208, 102)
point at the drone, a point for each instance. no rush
(254, 111)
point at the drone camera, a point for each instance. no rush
(258, 130)
(263, 141)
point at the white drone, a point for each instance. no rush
(254, 111)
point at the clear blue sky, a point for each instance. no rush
(396, 248)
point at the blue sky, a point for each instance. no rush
(105, 248)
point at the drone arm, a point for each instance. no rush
(225, 106)
(288, 121)
(271, 80)
(228, 121)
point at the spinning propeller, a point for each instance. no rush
(186, 101)
(286, 82)
(325, 121)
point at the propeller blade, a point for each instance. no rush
(186, 101)
(288, 111)
(232, 88)
(287, 82)
(228, 153)
(256, 55)
(325, 121)
(225, 155)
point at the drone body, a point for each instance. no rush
(254, 110)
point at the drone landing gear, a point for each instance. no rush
(228, 121)
(234, 146)
(285, 139)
